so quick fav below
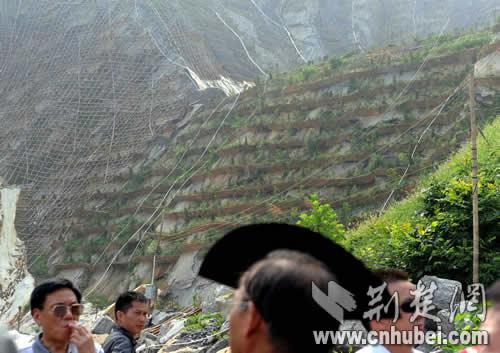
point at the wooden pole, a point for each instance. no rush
(475, 212)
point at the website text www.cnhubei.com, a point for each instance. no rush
(392, 337)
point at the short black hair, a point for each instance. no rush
(125, 300)
(391, 275)
(41, 291)
(282, 283)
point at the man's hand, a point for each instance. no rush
(81, 338)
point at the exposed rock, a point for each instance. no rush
(446, 291)
(103, 325)
(160, 316)
(171, 329)
(488, 66)
(149, 336)
(221, 303)
(16, 283)
(445, 324)
(218, 346)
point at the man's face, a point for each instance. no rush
(404, 323)
(134, 319)
(56, 328)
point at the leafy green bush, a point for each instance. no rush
(200, 321)
(431, 231)
(323, 219)
(335, 62)
(463, 322)
(308, 71)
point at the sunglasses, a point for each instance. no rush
(59, 310)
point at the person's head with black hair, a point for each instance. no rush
(41, 292)
(131, 310)
(56, 307)
(391, 275)
(287, 279)
(275, 310)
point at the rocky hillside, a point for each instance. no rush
(105, 102)
(16, 283)
(358, 129)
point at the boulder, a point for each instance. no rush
(160, 316)
(218, 346)
(445, 290)
(224, 303)
(102, 325)
(171, 329)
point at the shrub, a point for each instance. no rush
(323, 219)
(200, 321)
(431, 231)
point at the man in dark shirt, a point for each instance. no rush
(130, 314)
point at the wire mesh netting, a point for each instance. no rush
(85, 86)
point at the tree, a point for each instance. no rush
(323, 219)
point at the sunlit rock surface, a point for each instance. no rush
(16, 283)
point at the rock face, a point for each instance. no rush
(102, 325)
(488, 67)
(91, 91)
(16, 283)
(446, 291)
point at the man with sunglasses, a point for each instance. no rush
(56, 307)
(398, 284)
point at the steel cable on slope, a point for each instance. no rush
(362, 161)
(149, 220)
(156, 210)
(282, 26)
(242, 44)
(77, 162)
(153, 218)
(156, 186)
(413, 152)
(248, 214)
(243, 213)
(462, 86)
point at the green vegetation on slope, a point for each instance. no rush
(431, 231)
(431, 47)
